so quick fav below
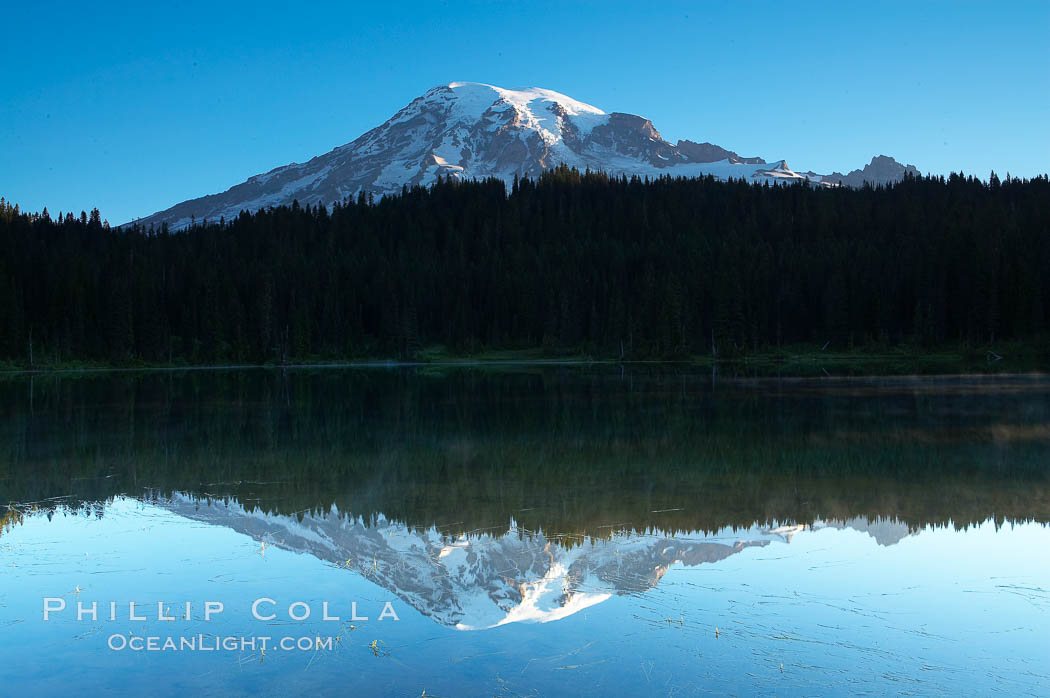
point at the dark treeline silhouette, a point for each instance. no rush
(563, 450)
(572, 261)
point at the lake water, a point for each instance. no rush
(523, 531)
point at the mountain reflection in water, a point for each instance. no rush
(484, 579)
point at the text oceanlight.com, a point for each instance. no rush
(212, 643)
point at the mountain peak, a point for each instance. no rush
(519, 97)
(881, 170)
(475, 130)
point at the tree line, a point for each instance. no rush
(562, 449)
(572, 261)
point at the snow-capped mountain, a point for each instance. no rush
(471, 130)
(498, 576)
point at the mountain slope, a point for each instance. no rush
(471, 130)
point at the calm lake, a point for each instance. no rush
(523, 531)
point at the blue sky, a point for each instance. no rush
(133, 109)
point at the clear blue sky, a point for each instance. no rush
(133, 109)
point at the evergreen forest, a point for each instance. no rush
(571, 262)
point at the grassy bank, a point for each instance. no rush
(797, 360)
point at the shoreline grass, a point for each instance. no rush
(1006, 356)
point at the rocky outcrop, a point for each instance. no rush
(881, 170)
